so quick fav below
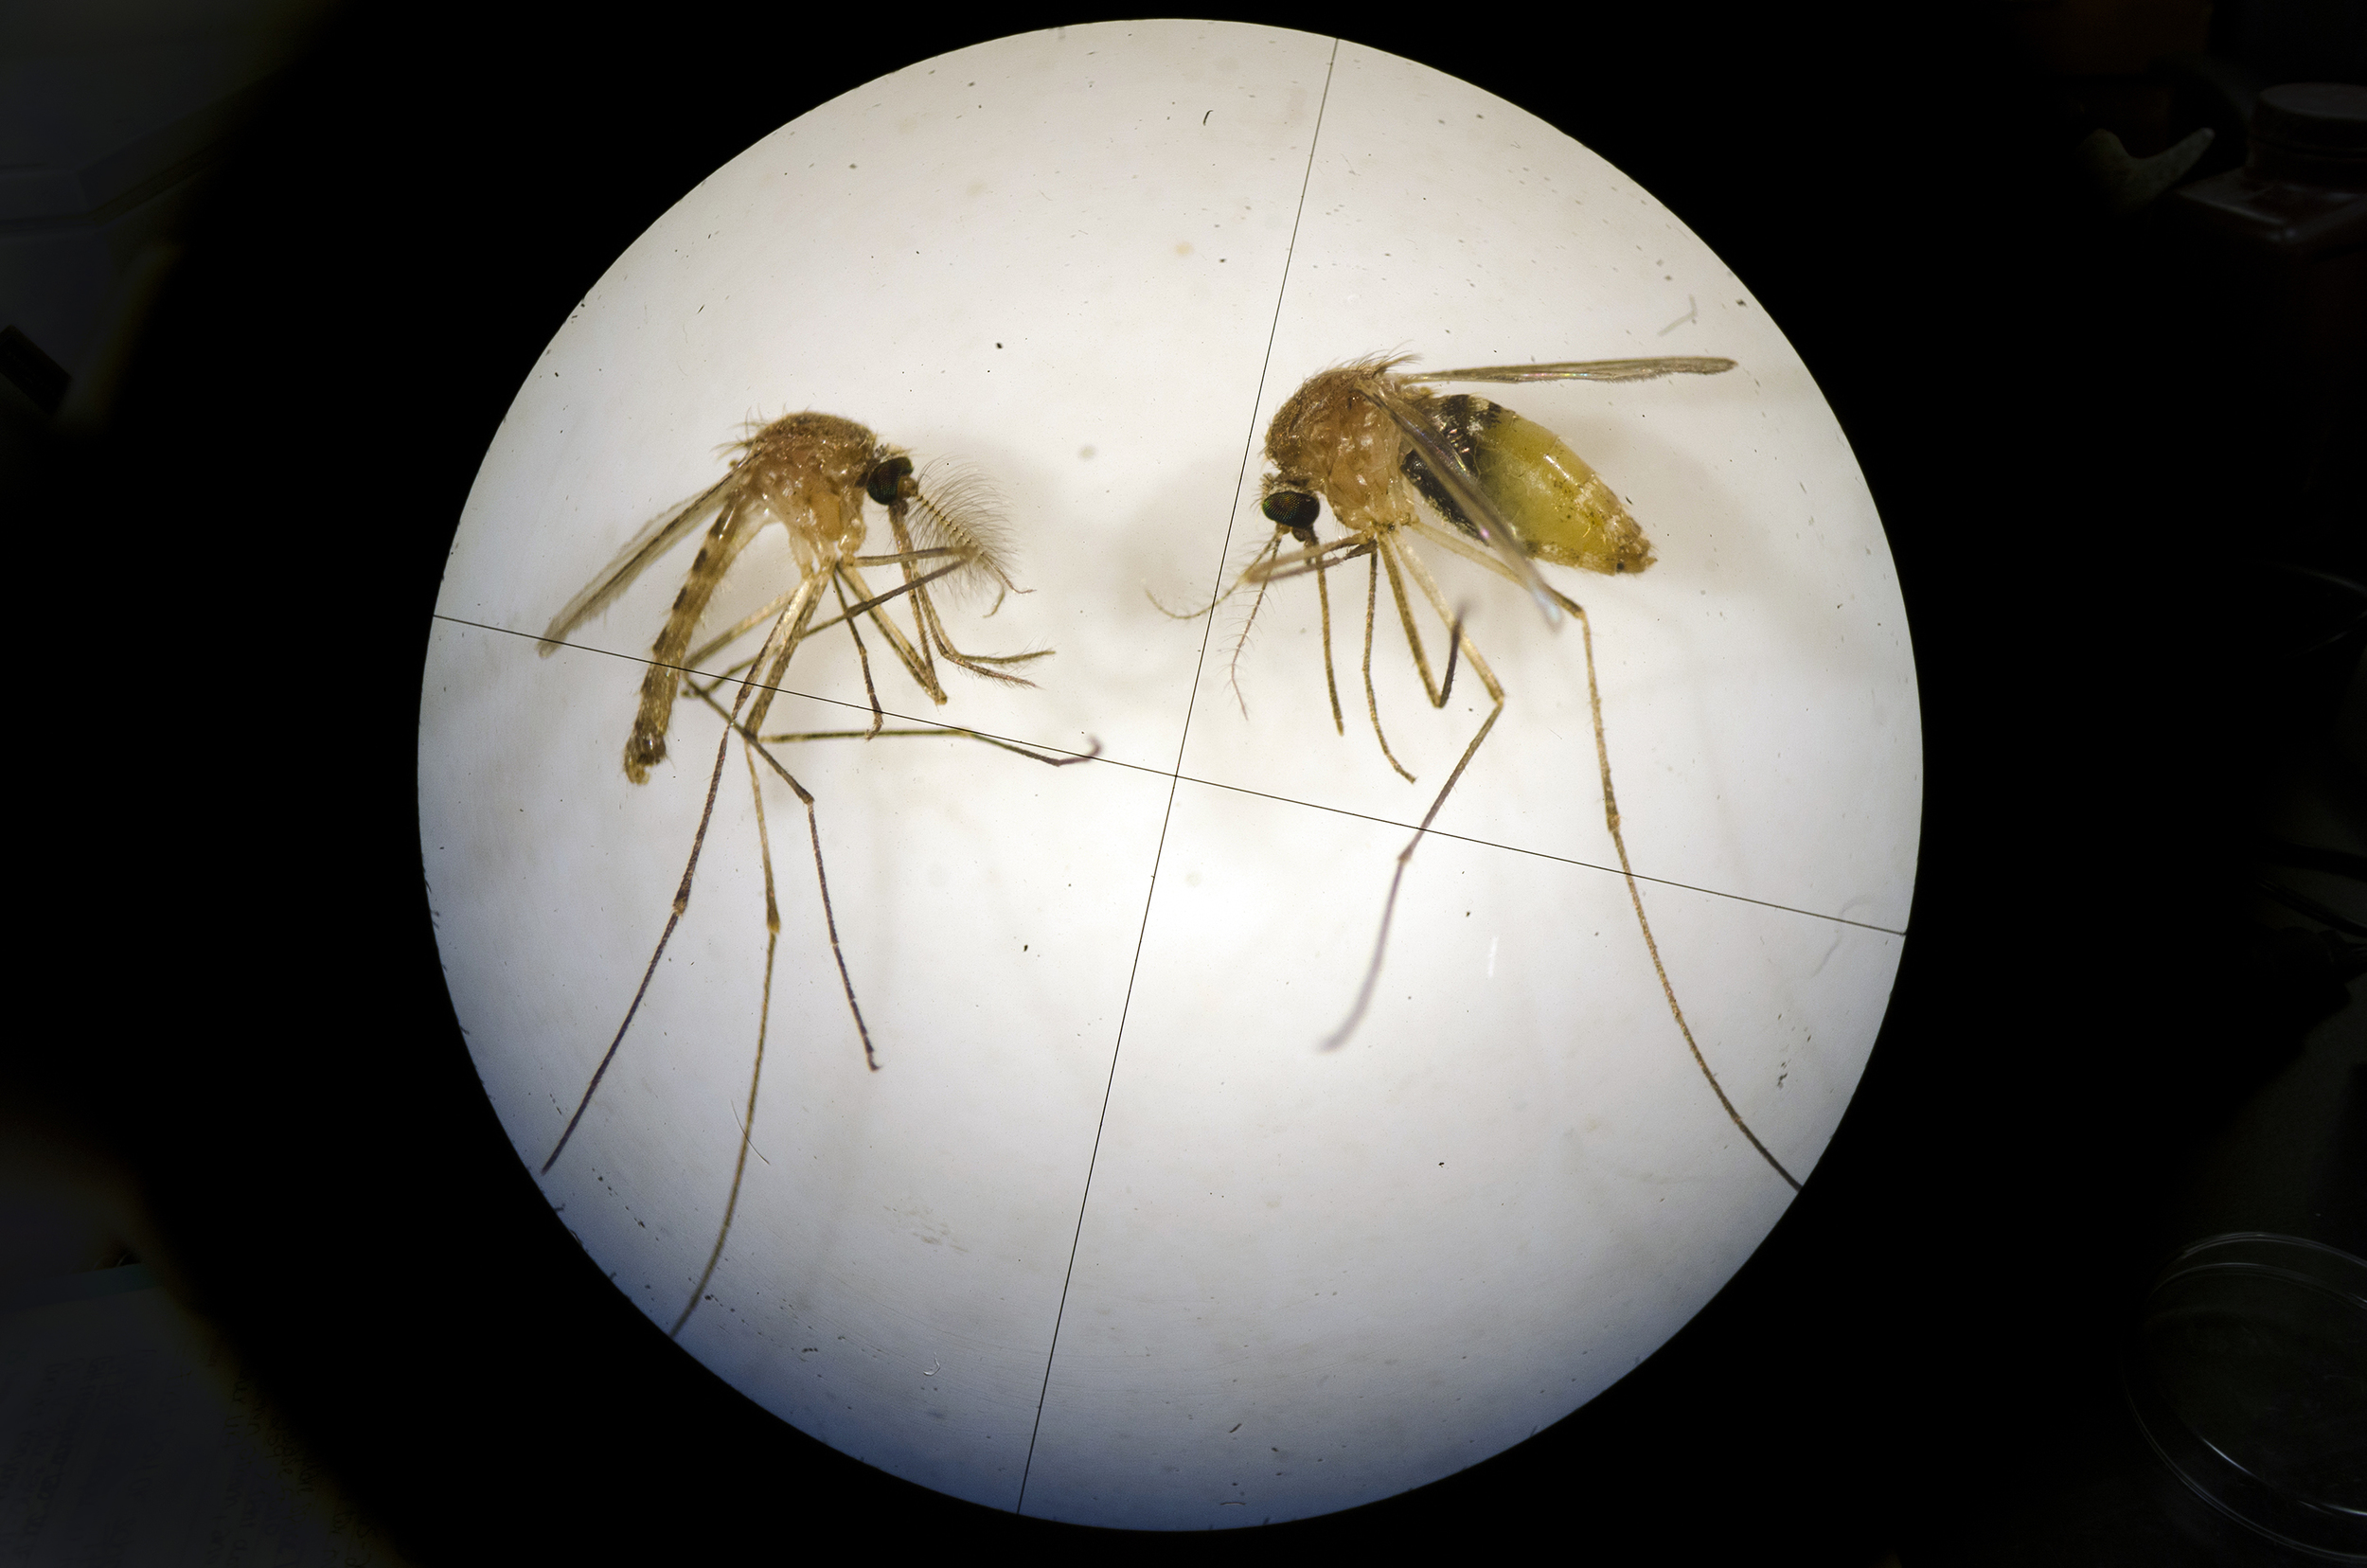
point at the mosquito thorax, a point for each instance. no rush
(891, 481)
(1560, 507)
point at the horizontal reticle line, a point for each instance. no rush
(1208, 783)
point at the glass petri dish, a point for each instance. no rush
(2247, 1374)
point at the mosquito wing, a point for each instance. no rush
(646, 547)
(1601, 371)
(1467, 494)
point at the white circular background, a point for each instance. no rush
(1106, 1238)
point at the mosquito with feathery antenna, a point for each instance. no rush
(810, 475)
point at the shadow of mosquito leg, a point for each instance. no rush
(681, 903)
(756, 1073)
(1635, 895)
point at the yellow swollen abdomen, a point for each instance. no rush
(1560, 507)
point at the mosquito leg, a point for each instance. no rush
(774, 657)
(1372, 703)
(1195, 614)
(977, 664)
(1438, 693)
(762, 747)
(1458, 646)
(1012, 746)
(996, 742)
(916, 661)
(1331, 684)
(749, 623)
(1258, 602)
(1389, 908)
(681, 903)
(756, 1073)
(861, 657)
(920, 623)
(1339, 552)
(1635, 895)
(829, 919)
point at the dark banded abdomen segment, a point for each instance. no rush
(663, 679)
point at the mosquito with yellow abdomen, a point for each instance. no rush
(1380, 448)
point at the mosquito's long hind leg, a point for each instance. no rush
(785, 635)
(681, 903)
(770, 664)
(1635, 895)
(1397, 878)
(830, 919)
(764, 1019)
(1069, 760)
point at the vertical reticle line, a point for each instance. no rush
(1248, 452)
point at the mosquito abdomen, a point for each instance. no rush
(1553, 499)
(645, 749)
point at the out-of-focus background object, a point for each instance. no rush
(2248, 1373)
(130, 1433)
(113, 116)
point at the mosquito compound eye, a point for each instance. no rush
(1291, 509)
(887, 480)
